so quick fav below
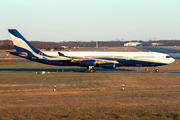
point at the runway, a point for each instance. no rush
(172, 52)
(80, 70)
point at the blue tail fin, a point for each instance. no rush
(20, 43)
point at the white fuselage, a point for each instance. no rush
(144, 56)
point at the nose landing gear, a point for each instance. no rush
(157, 69)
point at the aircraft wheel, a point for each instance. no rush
(92, 70)
(87, 70)
(157, 70)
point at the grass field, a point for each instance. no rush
(146, 96)
(27, 95)
(91, 105)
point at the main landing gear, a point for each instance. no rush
(90, 69)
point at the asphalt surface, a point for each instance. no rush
(172, 52)
(80, 70)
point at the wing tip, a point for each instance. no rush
(60, 54)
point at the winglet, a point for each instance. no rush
(60, 54)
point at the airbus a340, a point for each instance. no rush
(108, 60)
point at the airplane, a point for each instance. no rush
(107, 60)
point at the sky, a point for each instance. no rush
(91, 20)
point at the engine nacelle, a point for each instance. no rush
(88, 63)
(108, 65)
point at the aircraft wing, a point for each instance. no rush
(77, 58)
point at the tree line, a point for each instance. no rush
(7, 44)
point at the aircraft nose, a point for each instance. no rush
(172, 59)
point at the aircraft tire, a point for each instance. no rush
(157, 70)
(92, 70)
(87, 70)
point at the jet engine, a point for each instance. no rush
(108, 65)
(88, 63)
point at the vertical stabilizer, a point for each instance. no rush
(20, 43)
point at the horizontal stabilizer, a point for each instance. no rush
(22, 54)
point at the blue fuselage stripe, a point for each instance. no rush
(122, 62)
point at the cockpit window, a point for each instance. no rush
(168, 56)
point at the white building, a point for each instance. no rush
(157, 44)
(132, 44)
(65, 47)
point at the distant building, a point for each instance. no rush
(96, 45)
(65, 47)
(132, 44)
(157, 44)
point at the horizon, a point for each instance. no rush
(95, 41)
